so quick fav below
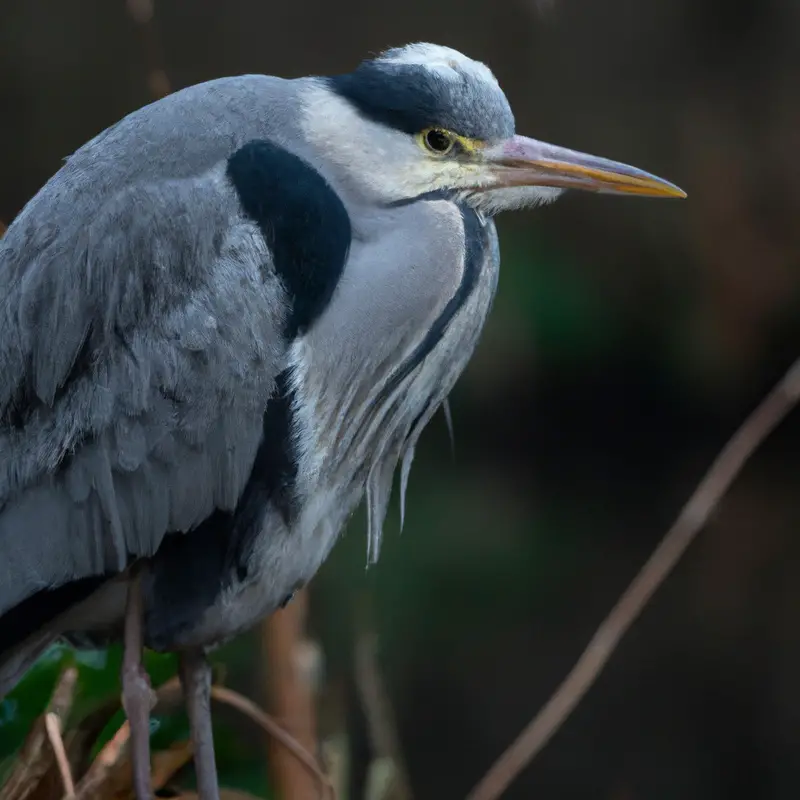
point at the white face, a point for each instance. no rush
(385, 164)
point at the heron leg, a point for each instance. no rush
(195, 672)
(137, 695)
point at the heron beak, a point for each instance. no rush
(520, 161)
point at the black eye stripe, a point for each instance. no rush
(411, 98)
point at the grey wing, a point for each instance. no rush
(137, 354)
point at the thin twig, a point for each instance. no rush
(52, 723)
(261, 718)
(755, 429)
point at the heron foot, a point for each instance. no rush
(138, 698)
(195, 674)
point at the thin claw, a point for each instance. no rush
(137, 695)
(195, 673)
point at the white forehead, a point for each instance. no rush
(445, 61)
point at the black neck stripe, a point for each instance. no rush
(475, 244)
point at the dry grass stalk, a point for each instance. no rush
(53, 727)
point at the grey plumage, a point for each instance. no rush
(229, 317)
(135, 352)
(165, 365)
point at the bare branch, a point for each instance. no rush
(261, 718)
(755, 429)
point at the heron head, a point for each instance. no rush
(425, 118)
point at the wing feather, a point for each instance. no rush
(137, 355)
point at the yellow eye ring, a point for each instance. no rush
(437, 141)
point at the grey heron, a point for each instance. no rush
(225, 321)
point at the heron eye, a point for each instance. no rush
(438, 141)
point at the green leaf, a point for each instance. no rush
(28, 699)
(98, 684)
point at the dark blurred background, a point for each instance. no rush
(628, 340)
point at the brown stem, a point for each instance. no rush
(716, 482)
(290, 697)
(271, 727)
